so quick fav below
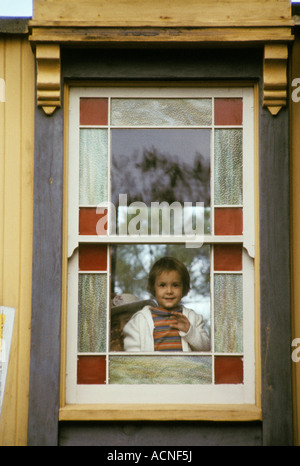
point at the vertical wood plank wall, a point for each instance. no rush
(16, 214)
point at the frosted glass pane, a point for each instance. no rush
(161, 112)
(92, 313)
(93, 158)
(160, 370)
(228, 313)
(228, 167)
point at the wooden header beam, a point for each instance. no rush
(161, 23)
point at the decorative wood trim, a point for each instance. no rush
(48, 77)
(151, 412)
(275, 77)
(92, 34)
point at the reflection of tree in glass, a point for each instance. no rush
(132, 263)
(152, 176)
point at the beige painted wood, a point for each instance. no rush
(164, 12)
(159, 413)
(16, 210)
(48, 77)
(275, 77)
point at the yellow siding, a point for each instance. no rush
(16, 213)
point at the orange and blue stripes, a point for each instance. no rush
(165, 337)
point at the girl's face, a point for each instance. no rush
(168, 290)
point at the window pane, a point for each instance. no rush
(228, 167)
(228, 322)
(229, 369)
(88, 221)
(227, 257)
(156, 165)
(92, 313)
(91, 369)
(229, 221)
(160, 370)
(93, 166)
(92, 257)
(93, 111)
(130, 266)
(161, 112)
(228, 111)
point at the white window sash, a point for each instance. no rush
(162, 394)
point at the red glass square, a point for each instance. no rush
(227, 257)
(91, 370)
(92, 257)
(88, 219)
(228, 221)
(93, 111)
(229, 111)
(229, 369)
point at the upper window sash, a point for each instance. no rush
(248, 234)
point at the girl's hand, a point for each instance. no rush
(181, 322)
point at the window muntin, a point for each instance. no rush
(228, 370)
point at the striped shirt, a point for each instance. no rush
(165, 337)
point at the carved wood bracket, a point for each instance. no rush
(275, 77)
(48, 77)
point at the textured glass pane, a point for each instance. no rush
(92, 313)
(228, 167)
(161, 112)
(228, 313)
(160, 370)
(93, 166)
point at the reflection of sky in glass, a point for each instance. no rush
(161, 165)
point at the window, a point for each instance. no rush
(135, 154)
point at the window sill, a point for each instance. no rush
(154, 412)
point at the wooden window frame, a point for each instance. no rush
(147, 411)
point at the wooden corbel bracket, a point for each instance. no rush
(275, 77)
(48, 77)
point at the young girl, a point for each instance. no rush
(170, 326)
